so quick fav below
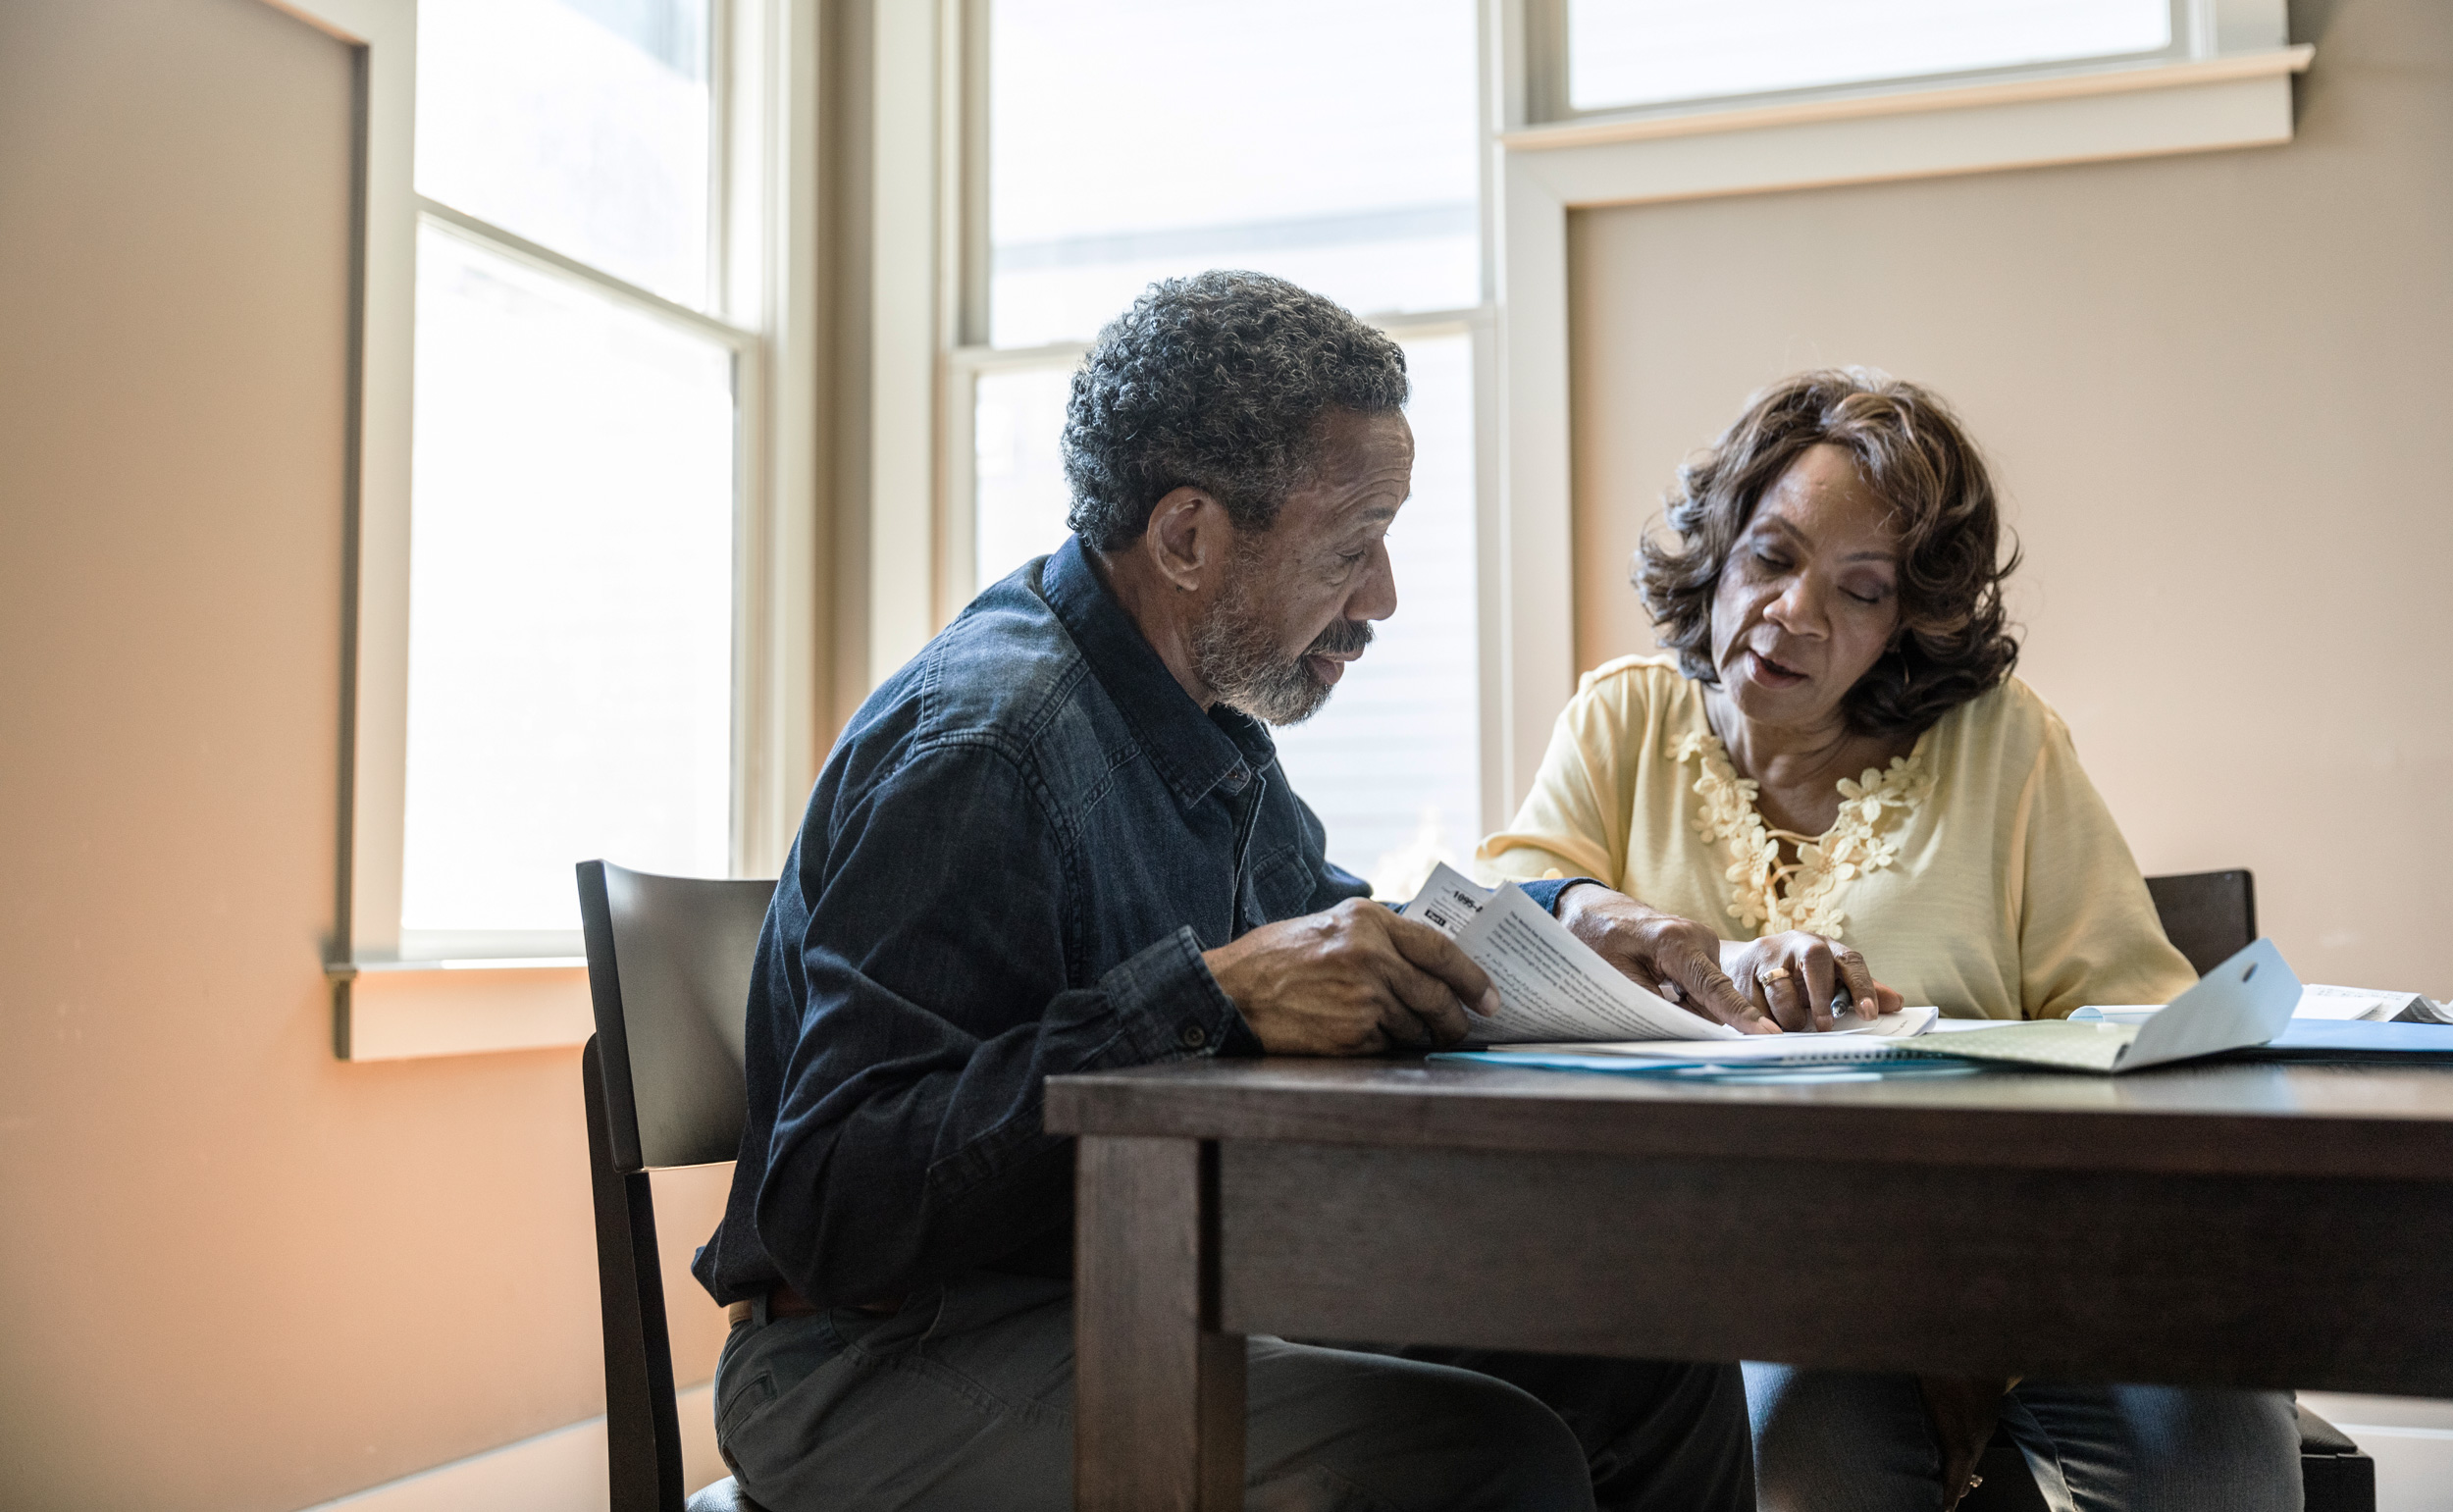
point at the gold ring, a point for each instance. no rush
(1775, 974)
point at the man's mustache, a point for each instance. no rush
(1343, 638)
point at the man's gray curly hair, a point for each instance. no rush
(1218, 382)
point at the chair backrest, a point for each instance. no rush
(668, 968)
(668, 964)
(2208, 915)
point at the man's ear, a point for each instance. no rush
(1186, 538)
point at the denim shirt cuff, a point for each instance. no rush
(1545, 893)
(1169, 1008)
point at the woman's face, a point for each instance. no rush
(1809, 596)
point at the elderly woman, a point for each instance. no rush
(1836, 767)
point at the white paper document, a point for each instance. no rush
(1556, 992)
(1551, 985)
(2316, 1001)
(2245, 1001)
(1744, 1049)
(1853, 1039)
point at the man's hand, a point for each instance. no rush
(1661, 952)
(1806, 983)
(1354, 981)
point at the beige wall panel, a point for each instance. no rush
(2213, 388)
(233, 1273)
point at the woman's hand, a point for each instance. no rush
(1677, 958)
(1963, 1414)
(1804, 981)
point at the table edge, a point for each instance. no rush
(2224, 1142)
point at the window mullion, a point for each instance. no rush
(510, 244)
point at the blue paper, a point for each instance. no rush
(1616, 1065)
(1740, 1072)
(2319, 1038)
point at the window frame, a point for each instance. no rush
(1548, 53)
(763, 308)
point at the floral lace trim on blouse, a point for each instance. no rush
(1774, 896)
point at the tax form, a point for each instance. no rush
(1553, 986)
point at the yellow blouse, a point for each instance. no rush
(1981, 873)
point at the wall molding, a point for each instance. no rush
(2077, 84)
(399, 1010)
(561, 1470)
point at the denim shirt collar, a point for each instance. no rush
(1195, 752)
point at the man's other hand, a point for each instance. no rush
(1658, 950)
(1355, 980)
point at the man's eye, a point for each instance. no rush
(1775, 563)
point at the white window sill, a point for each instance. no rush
(2139, 109)
(407, 1009)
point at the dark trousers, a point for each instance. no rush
(964, 1399)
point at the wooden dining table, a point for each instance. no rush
(2237, 1224)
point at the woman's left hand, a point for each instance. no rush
(1806, 981)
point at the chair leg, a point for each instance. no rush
(642, 1426)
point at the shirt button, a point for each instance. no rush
(1238, 777)
(1193, 1036)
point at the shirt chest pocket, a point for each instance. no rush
(1281, 884)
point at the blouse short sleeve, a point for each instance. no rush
(2087, 927)
(1574, 822)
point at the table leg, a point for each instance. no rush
(1158, 1391)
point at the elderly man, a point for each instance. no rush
(1058, 841)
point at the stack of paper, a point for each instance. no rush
(2340, 1005)
(1556, 992)
(2345, 1003)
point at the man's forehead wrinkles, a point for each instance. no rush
(1367, 505)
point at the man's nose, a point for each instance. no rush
(1375, 596)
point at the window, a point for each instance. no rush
(572, 603)
(1358, 183)
(582, 581)
(1624, 53)
(1363, 185)
(571, 599)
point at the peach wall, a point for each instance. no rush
(233, 1273)
(2214, 389)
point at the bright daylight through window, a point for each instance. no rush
(1250, 151)
(571, 613)
(1624, 53)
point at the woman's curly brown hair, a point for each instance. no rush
(1954, 641)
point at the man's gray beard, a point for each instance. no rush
(1236, 656)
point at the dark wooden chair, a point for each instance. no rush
(2207, 916)
(668, 966)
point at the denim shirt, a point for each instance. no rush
(1009, 866)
